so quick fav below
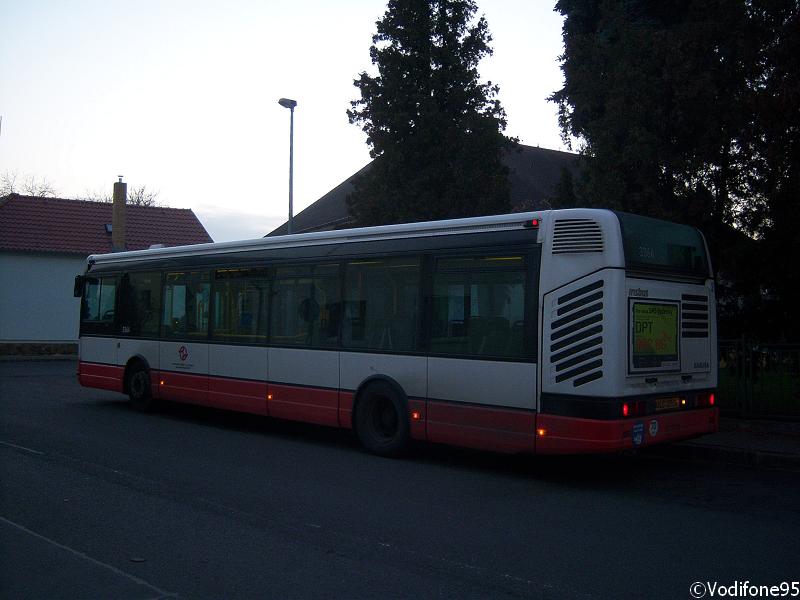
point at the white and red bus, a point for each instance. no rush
(563, 331)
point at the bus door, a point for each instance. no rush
(183, 349)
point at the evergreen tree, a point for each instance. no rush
(690, 110)
(658, 92)
(434, 130)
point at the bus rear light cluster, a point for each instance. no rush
(634, 408)
(706, 399)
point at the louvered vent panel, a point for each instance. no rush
(694, 316)
(571, 236)
(576, 340)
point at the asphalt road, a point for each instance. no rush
(99, 501)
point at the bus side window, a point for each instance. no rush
(186, 299)
(240, 305)
(306, 306)
(382, 304)
(98, 305)
(479, 307)
(140, 304)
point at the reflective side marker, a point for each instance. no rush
(269, 396)
(415, 415)
(541, 432)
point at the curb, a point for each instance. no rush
(741, 456)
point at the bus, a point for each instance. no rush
(553, 332)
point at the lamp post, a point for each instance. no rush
(290, 104)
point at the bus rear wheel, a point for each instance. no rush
(381, 420)
(139, 390)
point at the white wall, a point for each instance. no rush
(36, 302)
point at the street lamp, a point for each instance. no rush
(290, 104)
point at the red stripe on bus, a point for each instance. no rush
(184, 387)
(482, 427)
(569, 435)
(310, 405)
(104, 377)
(238, 394)
(346, 409)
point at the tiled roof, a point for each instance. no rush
(59, 225)
(533, 175)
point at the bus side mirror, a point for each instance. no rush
(77, 291)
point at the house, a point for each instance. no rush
(44, 243)
(534, 174)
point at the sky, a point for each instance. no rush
(182, 96)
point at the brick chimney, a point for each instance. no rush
(118, 216)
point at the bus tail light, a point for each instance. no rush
(415, 415)
(635, 408)
(541, 432)
(532, 223)
(706, 399)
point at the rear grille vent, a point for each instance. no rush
(571, 236)
(576, 340)
(694, 316)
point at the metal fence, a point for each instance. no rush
(759, 380)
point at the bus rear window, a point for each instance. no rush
(652, 244)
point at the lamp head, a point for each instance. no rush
(287, 103)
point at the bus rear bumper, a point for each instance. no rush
(569, 435)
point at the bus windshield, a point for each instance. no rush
(654, 244)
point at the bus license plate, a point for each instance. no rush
(667, 403)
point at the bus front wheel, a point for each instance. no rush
(139, 390)
(381, 420)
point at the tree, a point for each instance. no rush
(775, 219)
(31, 185)
(658, 93)
(688, 110)
(137, 196)
(434, 130)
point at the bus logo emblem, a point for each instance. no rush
(183, 353)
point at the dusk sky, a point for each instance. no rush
(181, 96)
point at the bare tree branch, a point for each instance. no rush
(41, 187)
(31, 185)
(141, 196)
(8, 183)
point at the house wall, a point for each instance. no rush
(36, 302)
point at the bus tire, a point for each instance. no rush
(138, 386)
(381, 420)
